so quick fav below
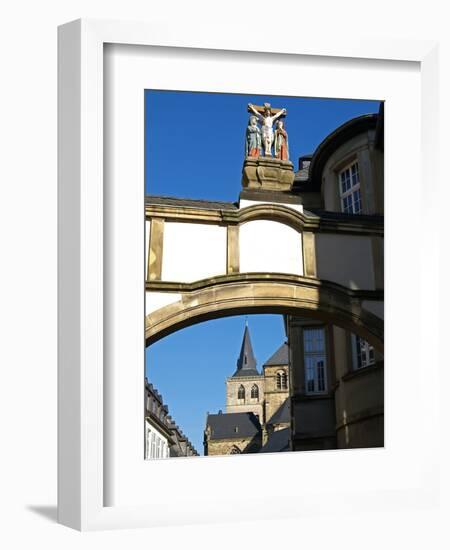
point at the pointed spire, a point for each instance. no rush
(246, 364)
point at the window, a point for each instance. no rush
(235, 450)
(350, 191)
(153, 445)
(255, 392)
(281, 380)
(241, 392)
(315, 360)
(147, 444)
(363, 353)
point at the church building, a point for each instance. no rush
(257, 406)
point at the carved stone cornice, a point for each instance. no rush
(301, 221)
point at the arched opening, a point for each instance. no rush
(268, 293)
(281, 380)
(255, 392)
(272, 399)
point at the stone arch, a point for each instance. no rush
(266, 293)
(275, 213)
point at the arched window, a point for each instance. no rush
(281, 380)
(235, 450)
(255, 392)
(241, 392)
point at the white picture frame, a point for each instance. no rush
(83, 479)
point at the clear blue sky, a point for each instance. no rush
(190, 366)
(195, 141)
(194, 149)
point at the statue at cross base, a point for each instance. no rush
(267, 116)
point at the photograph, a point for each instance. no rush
(264, 282)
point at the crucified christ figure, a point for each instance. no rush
(267, 120)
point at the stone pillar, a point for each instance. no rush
(155, 249)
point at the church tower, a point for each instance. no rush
(245, 388)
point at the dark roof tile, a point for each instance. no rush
(193, 203)
(280, 357)
(278, 441)
(233, 425)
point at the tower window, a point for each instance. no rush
(241, 392)
(281, 380)
(315, 360)
(350, 192)
(255, 392)
(363, 353)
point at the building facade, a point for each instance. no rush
(163, 437)
(308, 245)
(337, 392)
(257, 405)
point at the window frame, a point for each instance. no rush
(241, 390)
(281, 380)
(355, 360)
(352, 189)
(324, 353)
(252, 391)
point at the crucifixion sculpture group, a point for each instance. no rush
(263, 137)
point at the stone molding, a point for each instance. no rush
(300, 221)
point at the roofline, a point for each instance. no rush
(333, 141)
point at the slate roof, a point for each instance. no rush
(281, 415)
(280, 357)
(194, 203)
(233, 425)
(278, 441)
(345, 216)
(246, 363)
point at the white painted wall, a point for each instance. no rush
(193, 251)
(270, 246)
(156, 300)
